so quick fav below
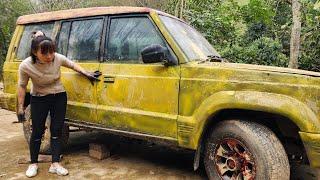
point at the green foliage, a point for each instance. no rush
(262, 51)
(258, 11)
(310, 39)
(255, 31)
(219, 21)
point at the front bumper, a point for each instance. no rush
(311, 143)
(8, 101)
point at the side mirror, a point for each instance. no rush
(156, 53)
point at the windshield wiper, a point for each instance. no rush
(213, 58)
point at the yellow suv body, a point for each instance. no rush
(179, 99)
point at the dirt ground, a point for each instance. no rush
(130, 159)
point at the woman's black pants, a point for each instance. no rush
(40, 106)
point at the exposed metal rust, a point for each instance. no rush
(233, 160)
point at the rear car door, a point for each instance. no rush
(132, 96)
(80, 40)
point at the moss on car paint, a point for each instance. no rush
(312, 143)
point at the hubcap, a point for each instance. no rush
(231, 164)
(234, 161)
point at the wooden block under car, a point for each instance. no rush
(98, 151)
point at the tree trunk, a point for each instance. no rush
(176, 9)
(295, 34)
(181, 9)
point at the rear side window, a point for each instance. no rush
(63, 38)
(80, 39)
(25, 41)
(128, 36)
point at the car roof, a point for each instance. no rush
(82, 12)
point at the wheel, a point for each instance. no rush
(45, 141)
(241, 150)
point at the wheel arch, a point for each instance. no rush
(279, 111)
(284, 129)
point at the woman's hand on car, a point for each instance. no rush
(93, 76)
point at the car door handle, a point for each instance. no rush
(97, 74)
(108, 79)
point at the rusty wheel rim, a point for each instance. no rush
(234, 161)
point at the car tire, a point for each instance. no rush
(245, 150)
(45, 141)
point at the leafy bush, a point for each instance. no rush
(218, 21)
(262, 51)
(255, 31)
(310, 40)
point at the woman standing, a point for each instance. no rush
(47, 94)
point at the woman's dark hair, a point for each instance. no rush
(45, 44)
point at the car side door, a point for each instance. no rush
(133, 96)
(79, 40)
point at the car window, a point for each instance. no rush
(62, 45)
(128, 36)
(84, 40)
(25, 41)
(194, 45)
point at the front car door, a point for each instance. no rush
(132, 96)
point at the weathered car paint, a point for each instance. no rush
(81, 93)
(312, 145)
(142, 98)
(205, 89)
(10, 81)
(10, 76)
(7, 101)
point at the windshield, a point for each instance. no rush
(193, 44)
